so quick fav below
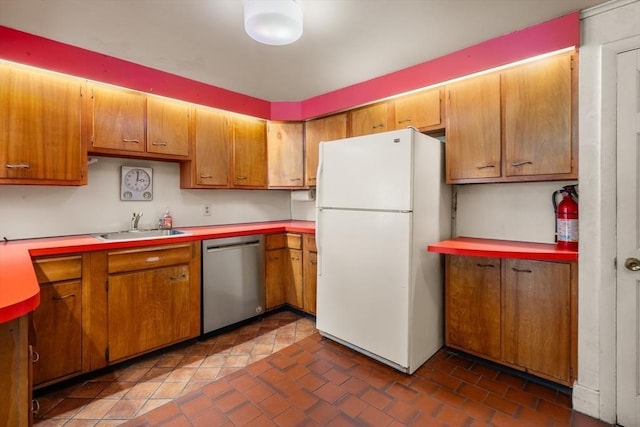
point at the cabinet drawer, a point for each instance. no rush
(284, 240)
(143, 258)
(57, 269)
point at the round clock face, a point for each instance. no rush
(137, 180)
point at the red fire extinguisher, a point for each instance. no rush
(566, 218)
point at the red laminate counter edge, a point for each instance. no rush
(471, 246)
(19, 289)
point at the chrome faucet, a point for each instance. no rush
(135, 220)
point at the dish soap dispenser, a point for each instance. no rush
(166, 221)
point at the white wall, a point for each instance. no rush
(606, 30)
(28, 211)
(513, 211)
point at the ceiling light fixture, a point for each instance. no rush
(273, 22)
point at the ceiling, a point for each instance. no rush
(344, 41)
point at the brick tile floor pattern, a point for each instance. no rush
(280, 372)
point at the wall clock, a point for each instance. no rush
(136, 183)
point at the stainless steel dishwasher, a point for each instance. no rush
(232, 280)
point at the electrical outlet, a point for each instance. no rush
(206, 210)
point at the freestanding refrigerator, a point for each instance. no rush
(381, 199)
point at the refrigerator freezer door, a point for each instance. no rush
(368, 172)
(363, 280)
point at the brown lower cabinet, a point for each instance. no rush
(289, 272)
(518, 312)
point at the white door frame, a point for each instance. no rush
(606, 30)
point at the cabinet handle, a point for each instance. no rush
(515, 164)
(153, 259)
(295, 179)
(18, 165)
(134, 141)
(314, 262)
(404, 121)
(295, 258)
(63, 296)
(182, 276)
(485, 265)
(379, 125)
(241, 177)
(205, 176)
(35, 406)
(312, 178)
(159, 144)
(520, 270)
(36, 357)
(485, 166)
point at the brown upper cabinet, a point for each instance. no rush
(515, 125)
(422, 110)
(249, 148)
(323, 129)
(370, 119)
(40, 128)
(230, 151)
(128, 123)
(285, 145)
(210, 166)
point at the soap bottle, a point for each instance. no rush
(167, 220)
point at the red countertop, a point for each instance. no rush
(19, 290)
(471, 246)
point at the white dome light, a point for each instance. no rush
(273, 22)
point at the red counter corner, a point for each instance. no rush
(472, 246)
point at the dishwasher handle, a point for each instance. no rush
(223, 247)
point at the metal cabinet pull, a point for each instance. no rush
(35, 406)
(519, 270)
(159, 144)
(205, 176)
(314, 262)
(134, 141)
(36, 357)
(485, 166)
(241, 177)
(296, 179)
(153, 259)
(18, 165)
(485, 265)
(404, 120)
(379, 125)
(63, 296)
(515, 164)
(182, 276)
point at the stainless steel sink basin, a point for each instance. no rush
(140, 235)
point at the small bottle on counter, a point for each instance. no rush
(166, 222)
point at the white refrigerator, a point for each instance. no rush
(381, 199)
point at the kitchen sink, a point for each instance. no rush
(140, 235)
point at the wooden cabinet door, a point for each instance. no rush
(309, 275)
(473, 148)
(294, 286)
(473, 305)
(58, 328)
(537, 317)
(318, 130)
(167, 126)
(40, 127)
(285, 144)
(421, 110)
(147, 309)
(370, 119)
(249, 152)
(275, 277)
(538, 118)
(118, 119)
(212, 148)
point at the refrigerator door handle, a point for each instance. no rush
(318, 242)
(319, 176)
